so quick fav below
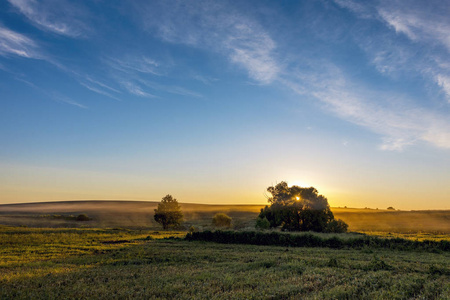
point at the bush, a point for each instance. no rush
(262, 223)
(193, 229)
(82, 217)
(313, 240)
(221, 220)
(337, 226)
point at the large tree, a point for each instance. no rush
(168, 212)
(298, 209)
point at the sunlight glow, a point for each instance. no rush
(299, 183)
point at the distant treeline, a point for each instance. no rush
(312, 240)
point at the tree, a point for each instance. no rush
(221, 220)
(298, 209)
(168, 212)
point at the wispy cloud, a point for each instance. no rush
(136, 90)
(394, 117)
(429, 28)
(425, 49)
(210, 25)
(134, 64)
(50, 94)
(178, 90)
(101, 84)
(444, 82)
(362, 9)
(97, 86)
(253, 49)
(132, 72)
(204, 79)
(429, 22)
(64, 99)
(60, 16)
(98, 90)
(14, 43)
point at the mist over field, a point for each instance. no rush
(139, 214)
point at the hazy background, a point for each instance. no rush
(139, 214)
(212, 102)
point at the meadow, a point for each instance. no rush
(128, 256)
(128, 264)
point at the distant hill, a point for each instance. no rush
(139, 214)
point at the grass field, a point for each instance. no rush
(129, 264)
(123, 254)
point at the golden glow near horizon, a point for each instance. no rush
(21, 183)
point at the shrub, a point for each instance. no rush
(337, 226)
(193, 229)
(82, 217)
(262, 223)
(221, 220)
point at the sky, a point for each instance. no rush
(214, 101)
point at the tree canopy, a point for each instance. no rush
(168, 212)
(299, 209)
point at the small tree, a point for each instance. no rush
(168, 212)
(222, 220)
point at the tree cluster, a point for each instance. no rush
(299, 209)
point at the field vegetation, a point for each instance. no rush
(314, 239)
(129, 264)
(120, 251)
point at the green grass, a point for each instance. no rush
(131, 264)
(418, 236)
(20, 245)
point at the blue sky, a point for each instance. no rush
(213, 101)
